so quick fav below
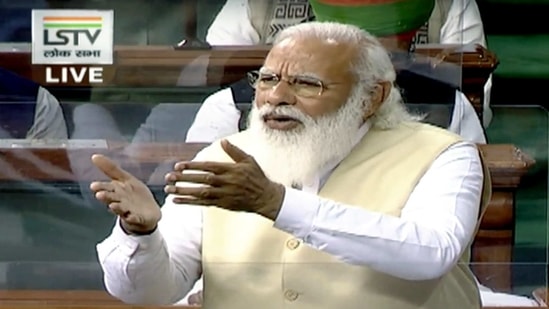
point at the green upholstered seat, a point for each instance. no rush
(521, 56)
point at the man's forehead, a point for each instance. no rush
(309, 54)
(309, 43)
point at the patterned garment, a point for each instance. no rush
(292, 12)
(288, 13)
(422, 35)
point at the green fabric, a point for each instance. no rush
(530, 133)
(383, 19)
(521, 56)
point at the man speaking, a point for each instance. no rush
(335, 196)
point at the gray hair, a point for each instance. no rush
(371, 66)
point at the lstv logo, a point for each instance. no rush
(70, 31)
(72, 37)
(71, 42)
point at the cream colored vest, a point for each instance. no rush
(249, 264)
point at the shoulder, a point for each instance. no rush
(234, 6)
(242, 91)
(462, 159)
(46, 98)
(463, 149)
(219, 101)
(408, 137)
(48, 108)
(424, 129)
(426, 135)
(449, 146)
(222, 95)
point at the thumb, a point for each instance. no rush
(109, 168)
(234, 152)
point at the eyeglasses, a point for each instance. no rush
(302, 86)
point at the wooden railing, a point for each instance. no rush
(86, 300)
(162, 66)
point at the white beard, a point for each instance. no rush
(297, 156)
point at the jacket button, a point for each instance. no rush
(291, 295)
(292, 244)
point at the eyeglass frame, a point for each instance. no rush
(255, 76)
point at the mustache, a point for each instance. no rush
(285, 111)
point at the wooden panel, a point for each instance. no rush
(66, 299)
(493, 246)
(32, 297)
(492, 257)
(491, 253)
(84, 300)
(53, 164)
(499, 214)
(161, 66)
(77, 305)
(507, 164)
(153, 66)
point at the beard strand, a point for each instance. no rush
(298, 156)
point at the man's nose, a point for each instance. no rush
(281, 94)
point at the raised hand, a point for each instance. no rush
(127, 197)
(239, 186)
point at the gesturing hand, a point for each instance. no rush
(126, 196)
(239, 186)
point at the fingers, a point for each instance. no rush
(202, 178)
(196, 192)
(117, 209)
(210, 167)
(109, 168)
(107, 197)
(237, 154)
(195, 201)
(126, 215)
(234, 152)
(106, 192)
(133, 219)
(97, 186)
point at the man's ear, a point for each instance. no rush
(378, 94)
